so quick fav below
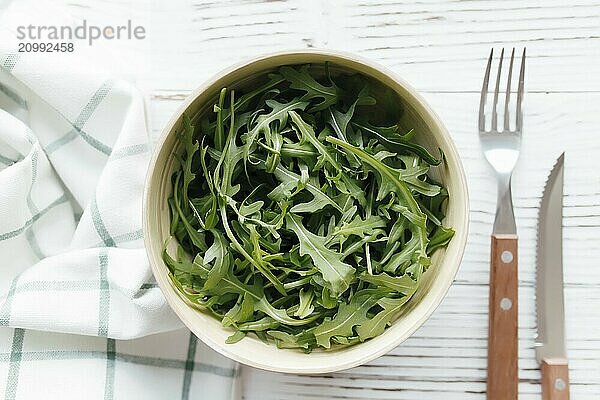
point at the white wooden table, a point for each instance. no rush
(440, 47)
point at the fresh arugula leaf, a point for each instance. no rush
(305, 307)
(236, 337)
(308, 135)
(393, 141)
(285, 340)
(348, 316)
(240, 312)
(441, 237)
(336, 273)
(302, 80)
(402, 284)
(376, 325)
(191, 147)
(359, 227)
(292, 180)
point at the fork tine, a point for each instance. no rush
(484, 92)
(507, 98)
(520, 93)
(494, 113)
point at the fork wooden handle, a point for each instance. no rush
(555, 379)
(502, 371)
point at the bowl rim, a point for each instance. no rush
(461, 236)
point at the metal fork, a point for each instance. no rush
(501, 149)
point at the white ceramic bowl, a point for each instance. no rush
(436, 281)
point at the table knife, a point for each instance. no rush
(550, 344)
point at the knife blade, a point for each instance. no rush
(550, 343)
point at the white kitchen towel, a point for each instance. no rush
(70, 209)
(74, 151)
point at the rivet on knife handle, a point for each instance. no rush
(503, 379)
(555, 379)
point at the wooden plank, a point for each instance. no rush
(435, 45)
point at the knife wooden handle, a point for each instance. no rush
(503, 371)
(555, 379)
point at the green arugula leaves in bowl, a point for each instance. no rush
(308, 212)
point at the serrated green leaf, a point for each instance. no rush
(441, 237)
(336, 273)
(241, 312)
(291, 180)
(305, 308)
(308, 135)
(301, 79)
(279, 113)
(359, 227)
(376, 325)
(236, 337)
(393, 141)
(403, 284)
(263, 324)
(349, 315)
